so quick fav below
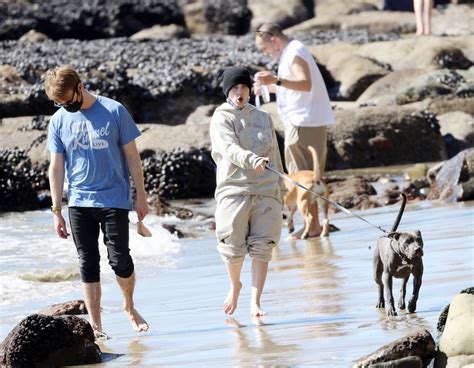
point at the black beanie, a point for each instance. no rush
(233, 76)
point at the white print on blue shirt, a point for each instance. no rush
(86, 136)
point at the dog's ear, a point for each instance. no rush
(394, 235)
(418, 233)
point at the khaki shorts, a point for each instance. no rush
(247, 224)
(297, 140)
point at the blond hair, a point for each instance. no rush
(59, 81)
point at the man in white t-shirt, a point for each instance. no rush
(302, 101)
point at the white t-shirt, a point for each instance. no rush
(300, 108)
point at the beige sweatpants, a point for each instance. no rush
(247, 224)
(297, 140)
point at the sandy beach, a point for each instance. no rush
(320, 296)
(398, 100)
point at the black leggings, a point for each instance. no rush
(85, 223)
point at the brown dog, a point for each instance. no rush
(298, 198)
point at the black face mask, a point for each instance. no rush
(75, 106)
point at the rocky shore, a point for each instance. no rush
(398, 99)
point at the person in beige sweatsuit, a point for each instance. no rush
(249, 207)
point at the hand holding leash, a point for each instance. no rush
(261, 163)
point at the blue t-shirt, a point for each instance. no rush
(92, 141)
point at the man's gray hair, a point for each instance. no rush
(268, 30)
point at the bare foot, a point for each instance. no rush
(298, 234)
(230, 303)
(232, 322)
(256, 311)
(138, 323)
(314, 234)
(258, 320)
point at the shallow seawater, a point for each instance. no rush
(320, 295)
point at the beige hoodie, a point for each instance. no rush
(239, 137)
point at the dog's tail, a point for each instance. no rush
(400, 213)
(317, 175)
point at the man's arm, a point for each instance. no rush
(135, 169)
(301, 71)
(56, 184)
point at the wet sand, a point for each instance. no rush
(320, 297)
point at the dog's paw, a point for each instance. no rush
(380, 304)
(401, 304)
(391, 312)
(412, 306)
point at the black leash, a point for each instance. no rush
(335, 204)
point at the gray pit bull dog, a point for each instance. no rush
(398, 254)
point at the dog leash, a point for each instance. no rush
(335, 204)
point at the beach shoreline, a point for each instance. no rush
(320, 297)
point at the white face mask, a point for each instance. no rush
(232, 103)
(239, 95)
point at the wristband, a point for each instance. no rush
(278, 82)
(56, 209)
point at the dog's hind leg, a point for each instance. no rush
(324, 216)
(305, 208)
(291, 223)
(403, 291)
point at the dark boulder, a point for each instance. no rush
(374, 136)
(46, 341)
(353, 192)
(420, 344)
(87, 19)
(230, 17)
(17, 181)
(74, 307)
(452, 58)
(180, 174)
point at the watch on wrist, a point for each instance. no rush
(278, 82)
(56, 209)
